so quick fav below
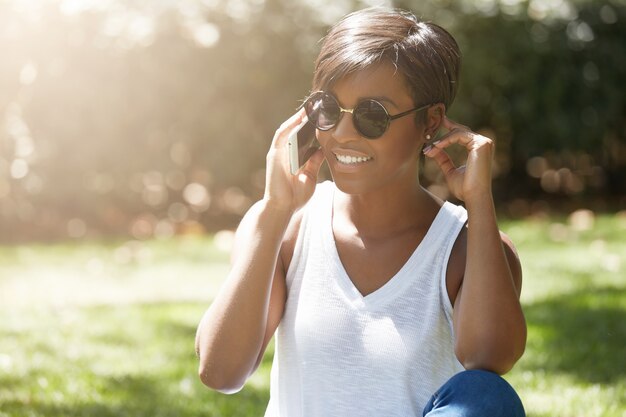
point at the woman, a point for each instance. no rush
(385, 300)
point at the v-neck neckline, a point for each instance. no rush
(400, 280)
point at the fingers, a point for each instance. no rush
(474, 143)
(458, 134)
(443, 160)
(282, 133)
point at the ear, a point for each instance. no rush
(434, 119)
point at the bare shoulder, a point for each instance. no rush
(248, 223)
(248, 227)
(458, 256)
(514, 262)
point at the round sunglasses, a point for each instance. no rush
(369, 116)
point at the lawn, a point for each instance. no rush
(107, 328)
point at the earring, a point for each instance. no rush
(427, 137)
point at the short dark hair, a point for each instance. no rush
(425, 53)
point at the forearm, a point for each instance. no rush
(491, 330)
(231, 333)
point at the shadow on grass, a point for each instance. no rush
(139, 361)
(140, 396)
(581, 333)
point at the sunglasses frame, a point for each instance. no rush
(342, 110)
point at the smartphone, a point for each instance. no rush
(302, 145)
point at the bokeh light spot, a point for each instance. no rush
(224, 240)
(582, 220)
(164, 229)
(550, 181)
(28, 74)
(608, 15)
(19, 169)
(197, 195)
(143, 226)
(206, 34)
(536, 166)
(24, 146)
(235, 201)
(154, 195)
(579, 31)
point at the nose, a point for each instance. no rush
(344, 131)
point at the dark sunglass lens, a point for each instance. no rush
(329, 112)
(322, 110)
(312, 108)
(371, 119)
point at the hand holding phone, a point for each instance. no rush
(302, 145)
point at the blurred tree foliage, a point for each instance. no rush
(545, 79)
(151, 118)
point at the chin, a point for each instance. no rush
(352, 186)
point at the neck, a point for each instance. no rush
(386, 211)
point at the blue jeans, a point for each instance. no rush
(475, 393)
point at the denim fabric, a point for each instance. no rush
(475, 393)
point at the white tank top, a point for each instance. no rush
(339, 353)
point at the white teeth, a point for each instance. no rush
(344, 159)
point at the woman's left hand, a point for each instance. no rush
(472, 180)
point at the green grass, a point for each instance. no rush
(107, 329)
(574, 299)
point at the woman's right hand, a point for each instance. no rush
(284, 191)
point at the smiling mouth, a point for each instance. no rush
(346, 159)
